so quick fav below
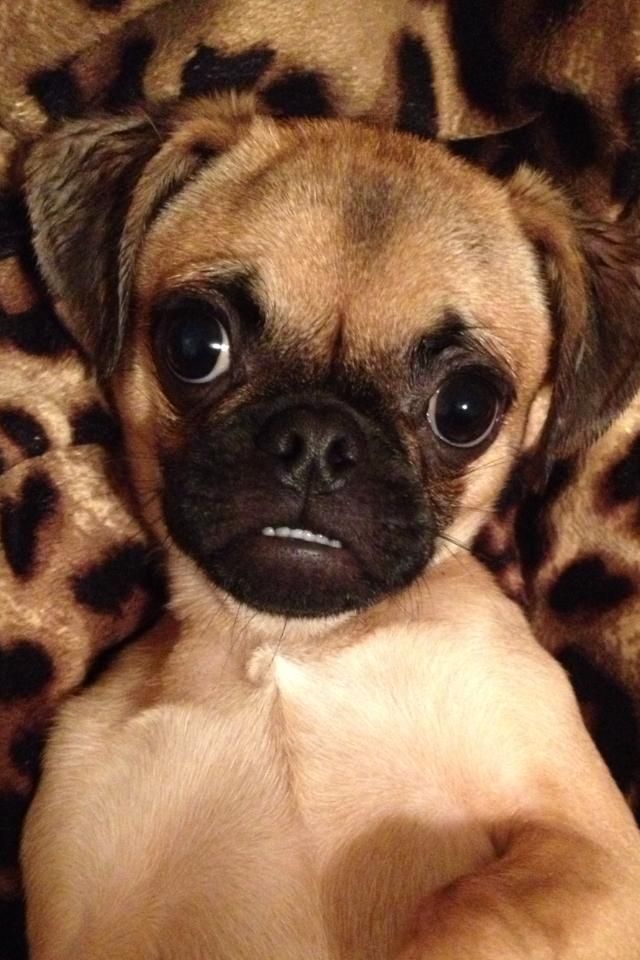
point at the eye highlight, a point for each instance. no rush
(465, 409)
(195, 343)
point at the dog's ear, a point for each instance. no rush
(93, 188)
(592, 274)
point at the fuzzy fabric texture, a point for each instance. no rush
(555, 83)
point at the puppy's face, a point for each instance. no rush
(336, 340)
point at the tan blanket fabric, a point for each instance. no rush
(555, 83)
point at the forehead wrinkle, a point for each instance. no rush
(371, 204)
(313, 337)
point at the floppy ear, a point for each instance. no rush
(592, 273)
(93, 188)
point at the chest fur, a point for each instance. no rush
(375, 788)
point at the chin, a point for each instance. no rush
(293, 577)
(300, 574)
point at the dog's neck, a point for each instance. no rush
(216, 639)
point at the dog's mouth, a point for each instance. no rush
(302, 509)
(309, 537)
(305, 553)
(297, 570)
(304, 566)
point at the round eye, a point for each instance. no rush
(464, 409)
(197, 346)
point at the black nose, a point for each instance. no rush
(315, 448)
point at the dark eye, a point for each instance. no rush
(464, 409)
(196, 342)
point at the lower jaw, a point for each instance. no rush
(291, 578)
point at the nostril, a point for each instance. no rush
(310, 448)
(341, 454)
(290, 447)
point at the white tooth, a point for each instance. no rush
(299, 534)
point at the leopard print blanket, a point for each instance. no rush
(555, 83)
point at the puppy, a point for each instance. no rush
(327, 344)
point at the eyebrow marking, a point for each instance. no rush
(454, 332)
(451, 332)
(240, 291)
(236, 289)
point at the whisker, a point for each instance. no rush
(276, 649)
(456, 543)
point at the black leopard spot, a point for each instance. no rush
(586, 586)
(13, 807)
(21, 521)
(14, 230)
(210, 71)
(24, 431)
(302, 93)
(532, 528)
(626, 180)
(37, 332)
(418, 112)
(615, 730)
(625, 184)
(621, 483)
(57, 92)
(630, 108)
(128, 86)
(94, 424)
(472, 150)
(571, 124)
(106, 5)
(13, 927)
(501, 153)
(484, 64)
(3, 465)
(513, 148)
(26, 752)
(554, 10)
(532, 533)
(106, 586)
(25, 670)
(514, 489)
(562, 473)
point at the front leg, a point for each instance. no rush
(550, 895)
(565, 880)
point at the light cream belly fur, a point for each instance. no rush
(301, 810)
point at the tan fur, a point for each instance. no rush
(438, 253)
(252, 799)
(411, 781)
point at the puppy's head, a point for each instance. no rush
(327, 342)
